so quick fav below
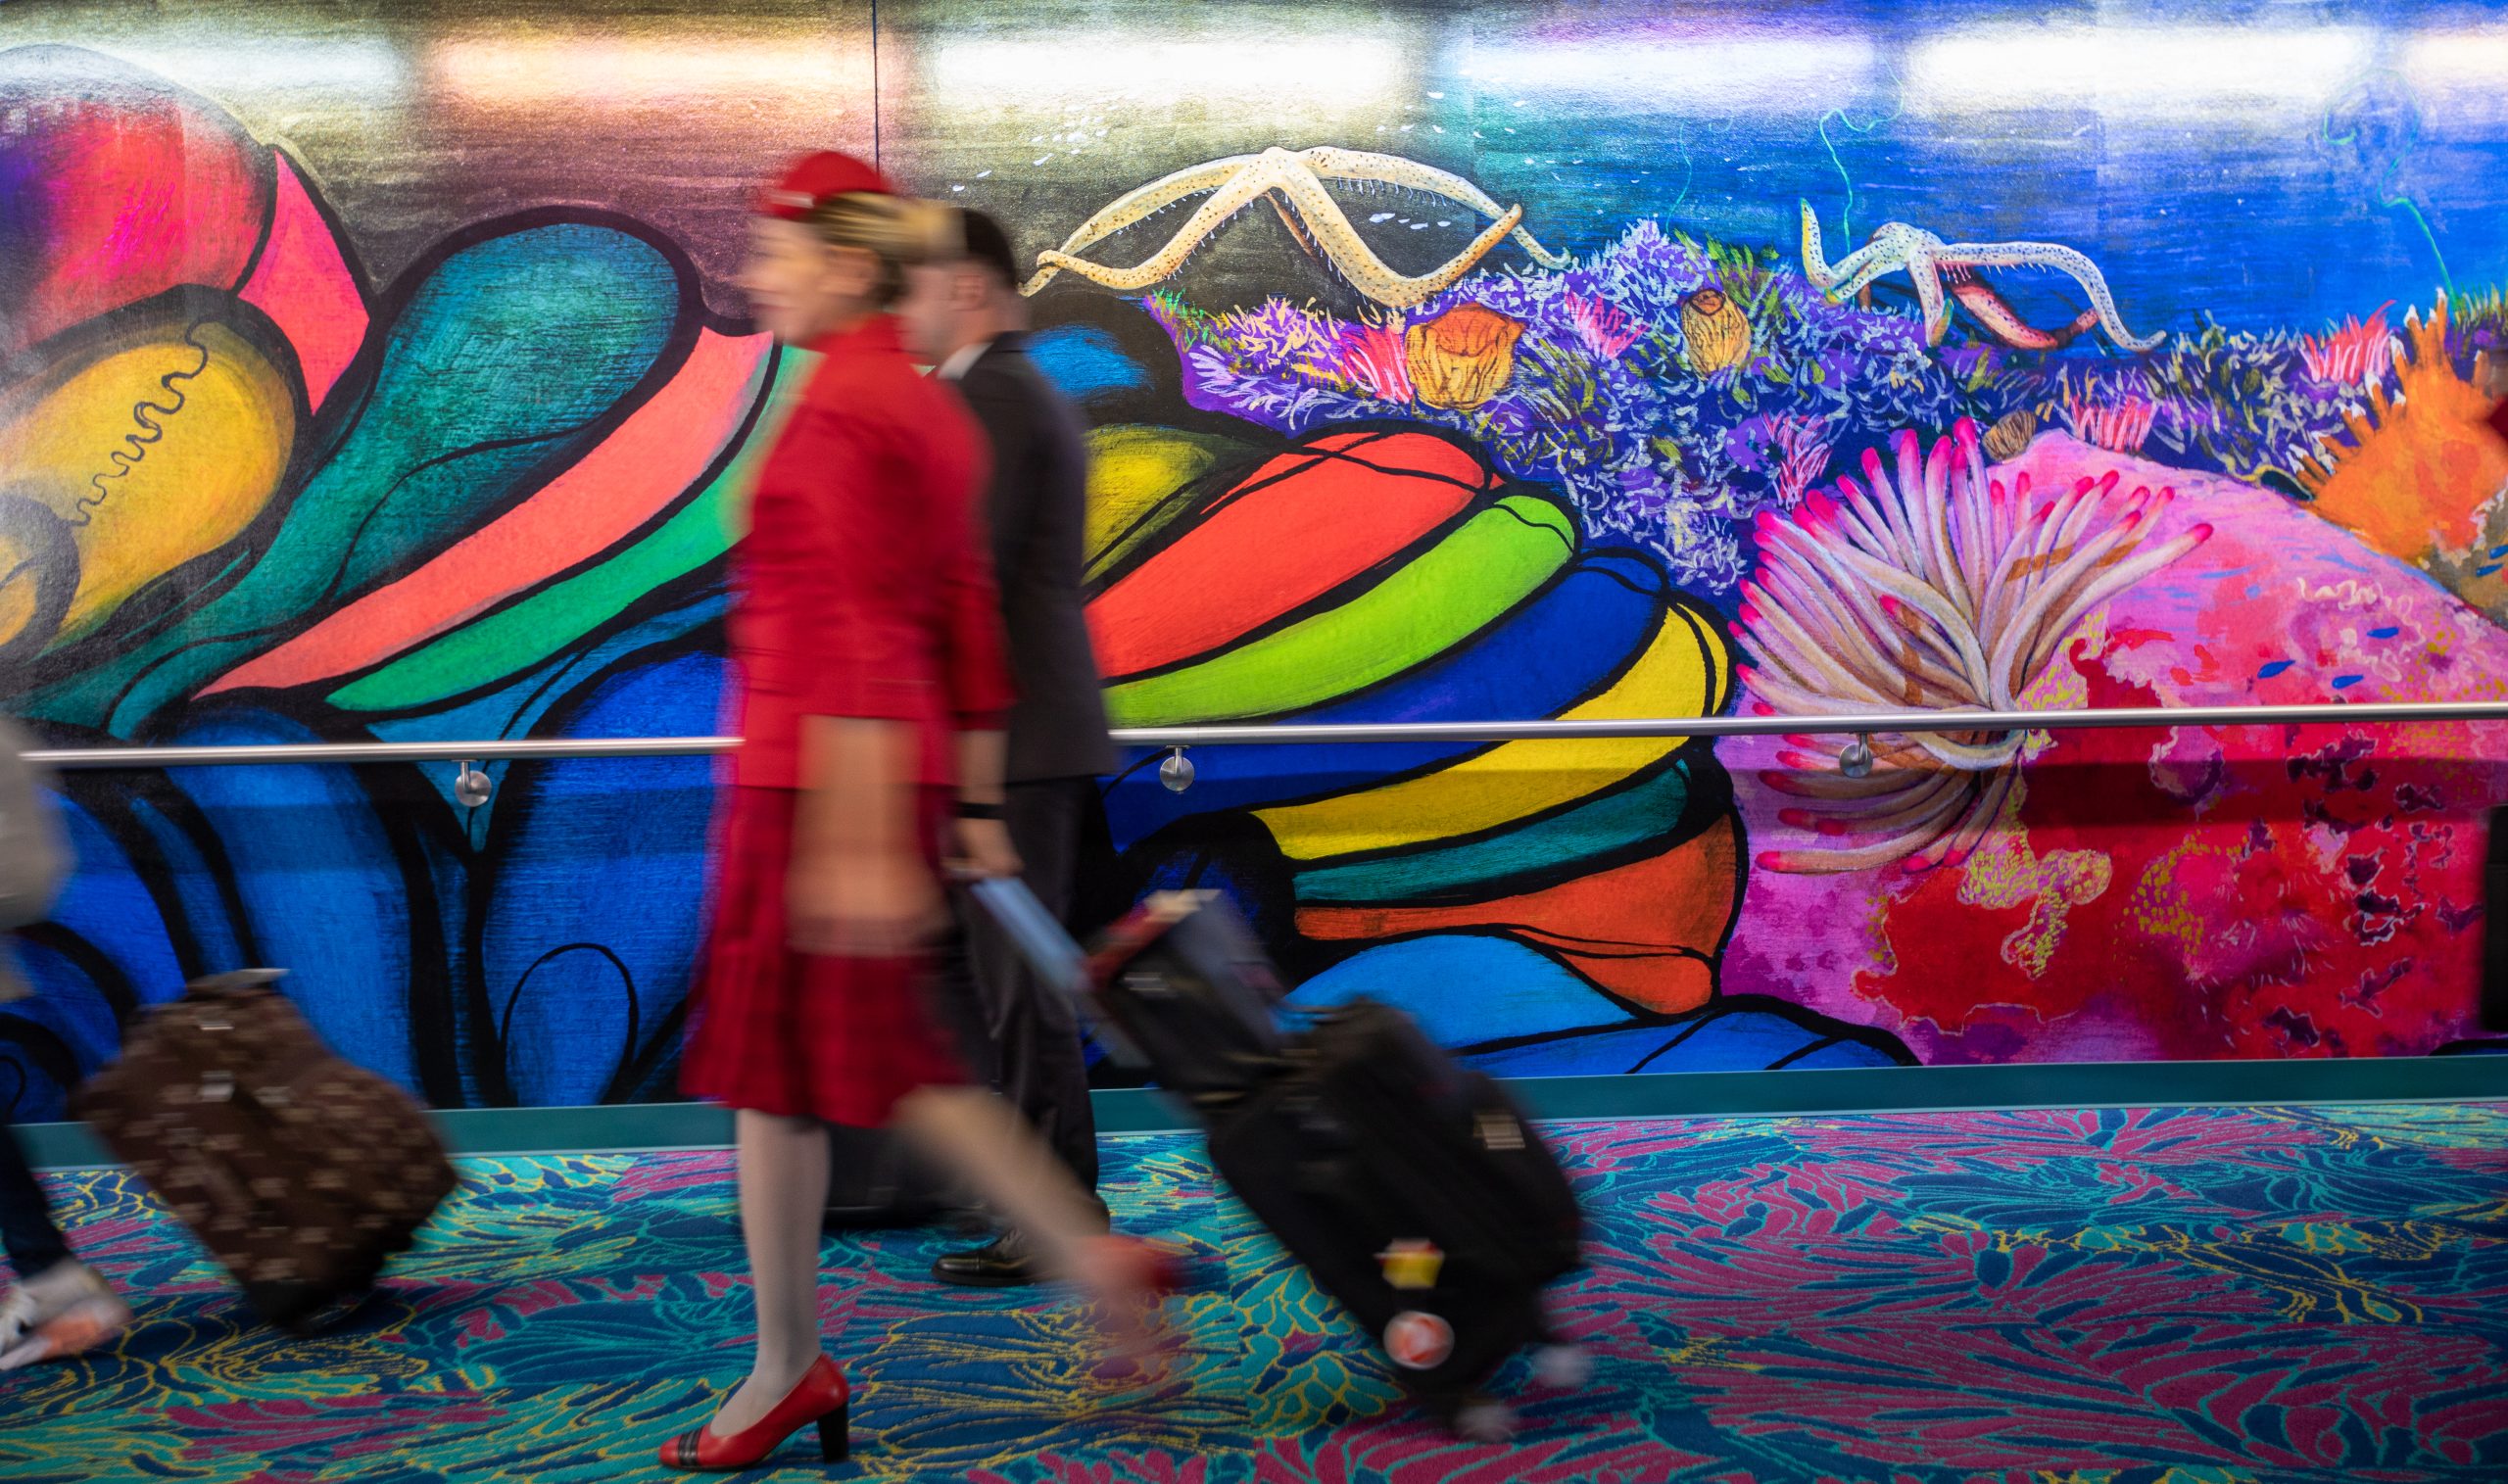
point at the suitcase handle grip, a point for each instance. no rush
(1050, 951)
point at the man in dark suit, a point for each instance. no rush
(967, 319)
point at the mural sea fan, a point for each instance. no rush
(1939, 590)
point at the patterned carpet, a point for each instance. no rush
(2074, 1297)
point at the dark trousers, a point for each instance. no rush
(1022, 1035)
(26, 1233)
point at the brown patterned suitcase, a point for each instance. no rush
(300, 1172)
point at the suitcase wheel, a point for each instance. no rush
(1561, 1368)
(1483, 1419)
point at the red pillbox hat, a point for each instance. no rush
(814, 178)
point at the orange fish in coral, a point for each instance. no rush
(1463, 357)
(2420, 465)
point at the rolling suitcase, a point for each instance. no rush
(1411, 1187)
(301, 1173)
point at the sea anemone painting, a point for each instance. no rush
(1940, 588)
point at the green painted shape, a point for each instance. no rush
(1466, 872)
(513, 639)
(492, 378)
(1484, 566)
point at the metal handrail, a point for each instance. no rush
(1279, 732)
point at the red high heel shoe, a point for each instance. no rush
(821, 1397)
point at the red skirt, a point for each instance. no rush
(839, 1040)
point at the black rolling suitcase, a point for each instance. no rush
(1409, 1186)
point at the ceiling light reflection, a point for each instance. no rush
(275, 63)
(1334, 71)
(1763, 75)
(2461, 76)
(624, 72)
(2174, 72)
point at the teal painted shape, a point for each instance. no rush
(1551, 845)
(1465, 988)
(492, 379)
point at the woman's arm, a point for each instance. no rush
(858, 886)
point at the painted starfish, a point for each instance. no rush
(1928, 260)
(1297, 178)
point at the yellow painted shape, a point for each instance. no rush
(1138, 478)
(155, 450)
(1686, 670)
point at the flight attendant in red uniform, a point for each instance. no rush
(873, 692)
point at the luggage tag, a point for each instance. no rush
(1050, 951)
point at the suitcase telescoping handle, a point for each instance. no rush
(1057, 959)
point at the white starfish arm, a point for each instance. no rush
(1887, 253)
(2070, 261)
(1928, 282)
(1333, 163)
(1139, 204)
(1348, 252)
(1292, 177)
(1251, 181)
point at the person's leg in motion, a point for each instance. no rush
(983, 1138)
(783, 1192)
(60, 1305)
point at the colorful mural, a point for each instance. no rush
(382, 380)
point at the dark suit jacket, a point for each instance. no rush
(1037, 508)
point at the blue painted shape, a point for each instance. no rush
(1554, 649)
(1554, 844)
(2275, 668)
(69, 1004)
(593, 926)
(2388, 631)
(2347, 681)
(27, 1093)
(1084, 363)
(181, 868)
(1465, 988)
(320, 886)
(1716, 1038)
(107, 903)
(519, 708)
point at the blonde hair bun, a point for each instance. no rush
(900, 230)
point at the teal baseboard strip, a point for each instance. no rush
(2060, 1084)
(640, 1127)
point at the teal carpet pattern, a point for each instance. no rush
(2250, 1296)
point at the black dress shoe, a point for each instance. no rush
(1003, 1262)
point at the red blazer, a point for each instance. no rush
(864, 588)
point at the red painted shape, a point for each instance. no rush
(1293, 530)
(304, 284)
(660, 450)
(114, 187)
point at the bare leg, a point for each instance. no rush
(984, 1140)
(783, 1182)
